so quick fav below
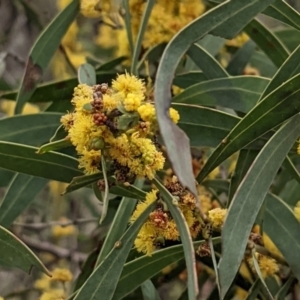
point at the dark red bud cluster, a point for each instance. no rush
(99, 118)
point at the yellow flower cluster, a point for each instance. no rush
(267, 265)
(49, 285)
(217, 217)
(160, 225)
(167, 18)
(117, 123)
(59, 231)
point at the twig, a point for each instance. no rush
(41, 226)
(53, 249)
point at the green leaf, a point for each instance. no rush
(212, 44)
(185, 80)
(5, 177)
(139, 39)
(290, 37)
(130, 191)
(87, 74)
(263, 64)
(119, 224)
(285, 288)
(221, 185)
(204, 126)
(59, 134)
(214, 260)
(279, 222)
(289, 68)
(105, 194)
(52, 165)
(140, 269)
(245, 160)
(57, 145)
(43, 51)
(206, 62)
(86, 269)
(82, 181)
(100, 283)
(290, 193)
(267, 42)
(127, 18)
(20, 193)
(226, 21)
(283, 12)
(258, 272)
(243, 210)
(185, 236)
(254, 290)
(291, 168)
(108, 66)
(59, 90)
(34, 129)
(152, 54)
(15, 254)
(236, 93)
(148, 290)
(241, 58)
(274, 109)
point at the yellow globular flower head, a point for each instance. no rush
(147, 112)
(174, 115)
(63, 275)
(90, 161)
(160, 225)
(67, 121)
(238, 41)
(297, 211)
(53, 295)
(83, 94)
(90, 8)
(43, 283)
(128, 84)
(217, 217)
(133, 101)
(268, 266)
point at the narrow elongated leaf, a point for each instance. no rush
(241, 58)
(290, 37)
(291, 169)
(51, 165)
(267, 42)
(111, 64)
(119, 224)
(254, 291)
(43, 51)
(106, 190)
(204, 126)
(212, 44)
(248, 199)
(100, 283)
(82, 181)
(258, 272)
(140, 36)
(236, 93)
(217, 184)
(60, 90)
(14, 253)
(263, 64)
(185, 236)
(152, 55)
(140, 269)
(5, 177)
(245, 160)
(206, 62)
(185, 80)
(276, 108)
(34, 129)
(57, 145)
(20, 193)
(148, 290)
(280, 222)
(87, 74)
(290, 68)
(226, 20)
(284, 289)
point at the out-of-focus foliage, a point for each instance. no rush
(149, 149)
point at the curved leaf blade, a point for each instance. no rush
(279, 221)
(52, 165)
(20, 193)
(273, 110)
(14, 253)
(87, 74)
(206, 62)
(100, 283)
(42, 52)
(236, 15)
(248, 199)
(236, 93)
